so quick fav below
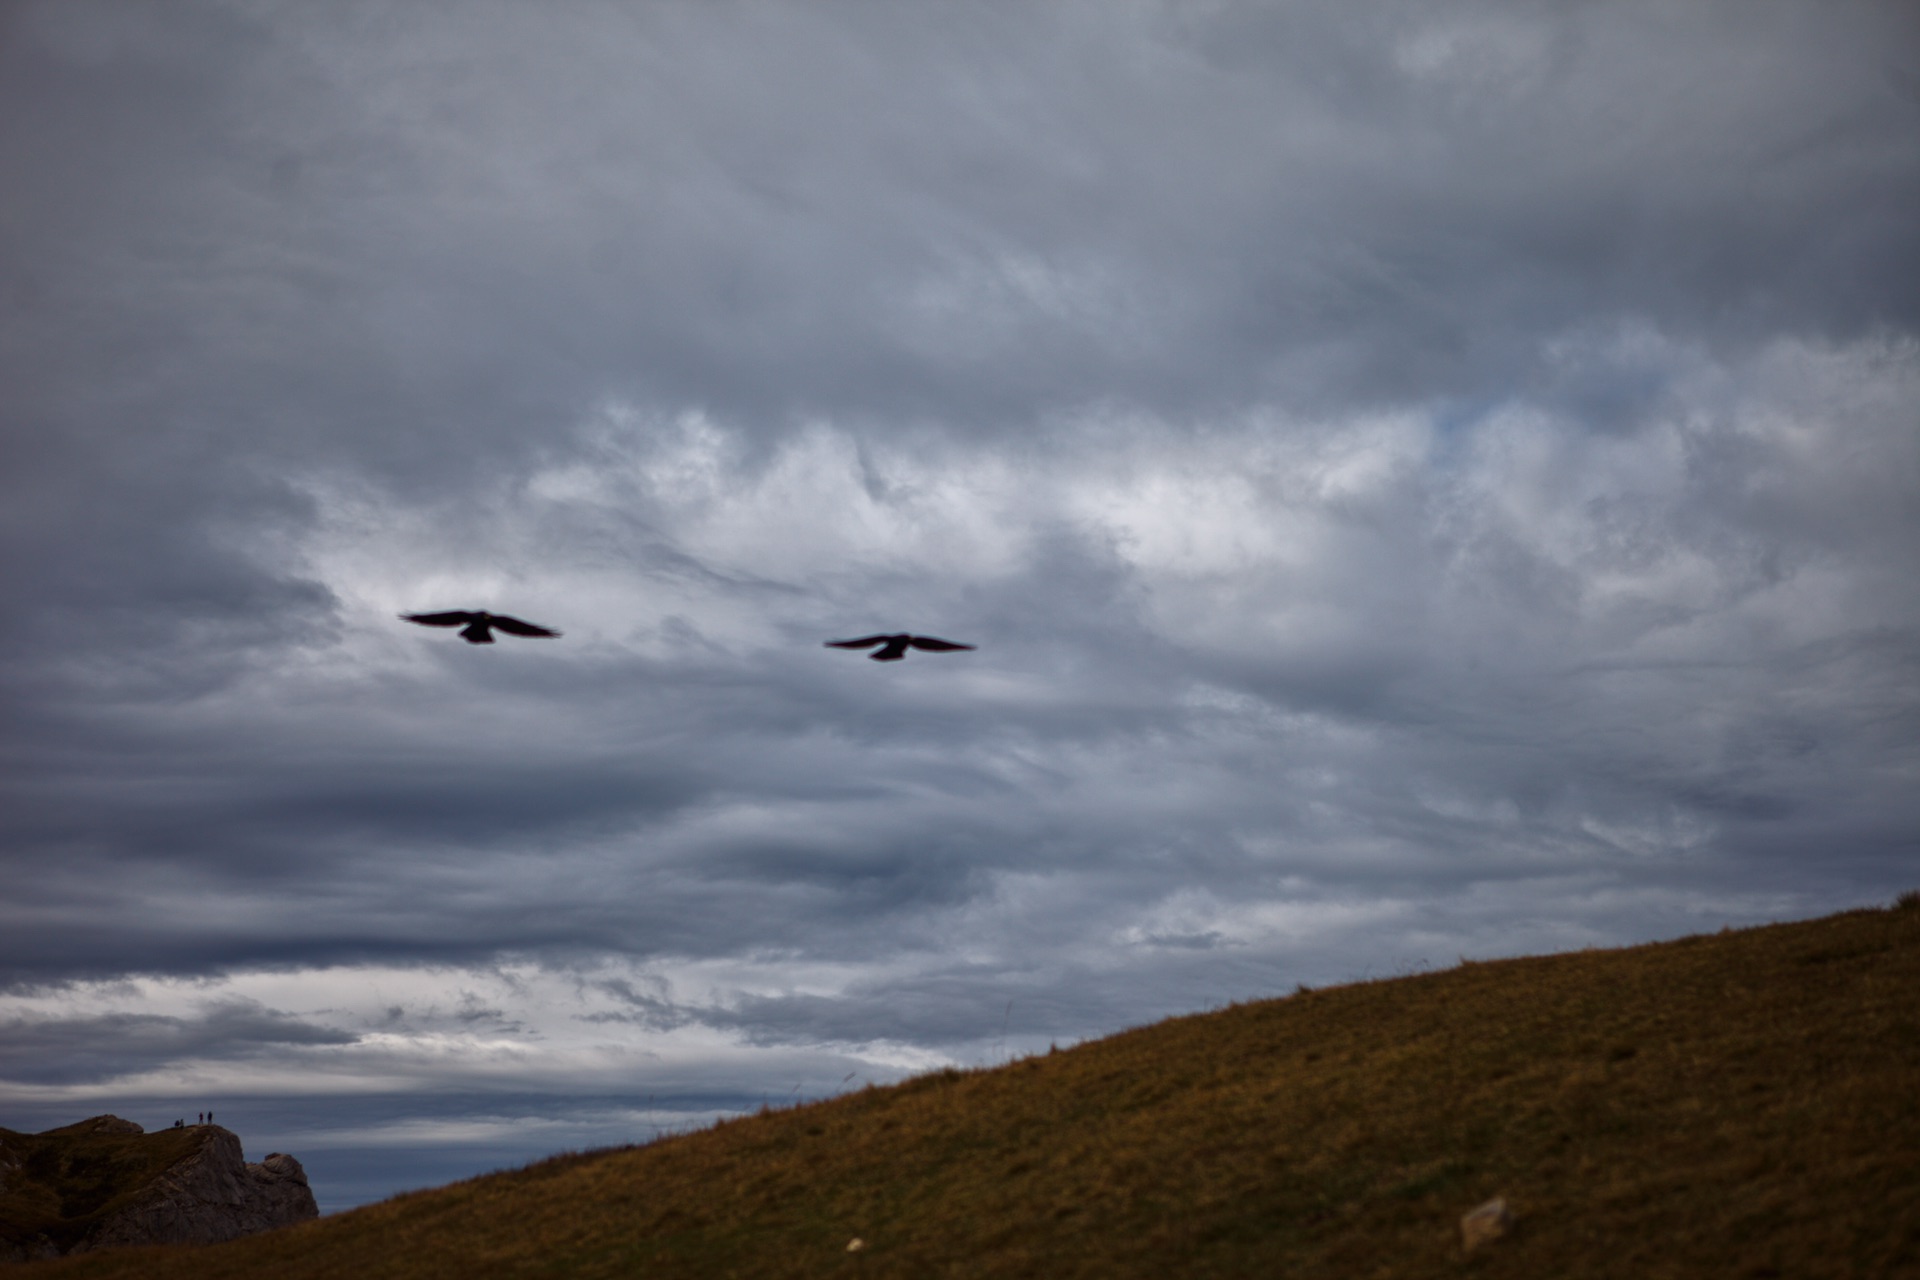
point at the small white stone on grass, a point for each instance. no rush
(1489, 1222)
(856, 1244)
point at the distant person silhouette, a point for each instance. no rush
(479, 624)
(894, 647)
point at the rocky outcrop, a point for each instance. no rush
(102, 1124)
(210, 1196)
(104, 1183)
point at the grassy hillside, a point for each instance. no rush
(1744, 1104)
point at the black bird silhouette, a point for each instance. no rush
(894, 647)
(478, 623)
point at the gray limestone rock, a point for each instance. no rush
(207, 1194)
(210, 1196)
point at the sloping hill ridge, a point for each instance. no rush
(1743, 1104)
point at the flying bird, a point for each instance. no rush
(894, 647)
(479, 624)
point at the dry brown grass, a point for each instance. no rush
(1744, 1104)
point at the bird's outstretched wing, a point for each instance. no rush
(865, 642)
(933, 645)
(457, 618)
(515, 627)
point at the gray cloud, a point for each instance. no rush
(90, 1049)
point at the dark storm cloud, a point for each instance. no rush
(85, 1050)
(1150, 206)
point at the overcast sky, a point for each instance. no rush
(1425, 480)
